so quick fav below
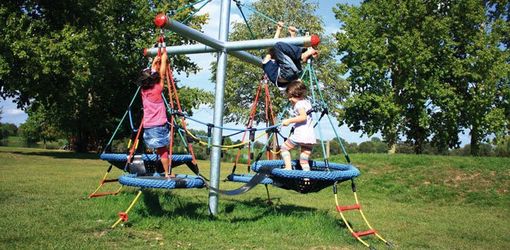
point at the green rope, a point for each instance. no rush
(238, 3)
(185, 20)
(314, 100)
(324, 105)
(263, 15)
(123, 117)
(197, 10)
(188, 5)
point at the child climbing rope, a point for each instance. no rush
(282, 64)
(303, 135)
(155, 121)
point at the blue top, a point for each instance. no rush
(271, 69)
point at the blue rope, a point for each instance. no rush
(232, 129)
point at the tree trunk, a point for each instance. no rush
(392, 148)
(475, 141)
(80, 142)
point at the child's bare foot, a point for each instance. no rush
(310, 52)
(292, 30)
(315, 53)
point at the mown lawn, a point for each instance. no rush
(417, 202)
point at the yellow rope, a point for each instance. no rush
(101, 184)
(347, 223)
(364, 218)
(366, 221)
(129, 208)
(275, 152)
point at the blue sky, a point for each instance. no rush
(201, 79)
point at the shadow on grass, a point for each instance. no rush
(266, 209)
(60, 155)
(183, 207)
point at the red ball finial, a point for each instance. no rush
(315, 40)
(160, 20)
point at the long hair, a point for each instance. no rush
(148, 78)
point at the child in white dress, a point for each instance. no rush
(303, 135)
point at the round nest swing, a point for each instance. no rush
(144, 164)
(322, 174)
(180, 181)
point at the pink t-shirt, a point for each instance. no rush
(154, 110)
(303, 131)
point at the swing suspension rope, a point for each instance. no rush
(315, 86)
(239, 5)
(172, 92)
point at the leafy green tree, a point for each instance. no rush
(39, 127)
(78, 59)
(502, 147)
(8, 129)
(485, 68)
(425, 70)
(243, 78)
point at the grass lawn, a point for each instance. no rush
(417, 202)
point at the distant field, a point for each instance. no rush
(417, 202)
(18, 141)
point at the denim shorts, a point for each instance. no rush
(156, 137)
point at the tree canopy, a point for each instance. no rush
(76, 61)
(426, 71)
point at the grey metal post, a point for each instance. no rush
(237, 45)
(200, 48)
(221, 72)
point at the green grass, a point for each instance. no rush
(417, 202)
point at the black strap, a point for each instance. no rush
(263, 173)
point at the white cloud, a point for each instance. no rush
(13, 112)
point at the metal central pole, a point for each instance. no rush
(221, 72)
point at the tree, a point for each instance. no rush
(77, 60)
(8, 129)
(425, 70)
(481, 58)
(243, 78)
(39, 127)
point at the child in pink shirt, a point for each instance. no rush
(156, 134)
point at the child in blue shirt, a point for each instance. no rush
(282, 64)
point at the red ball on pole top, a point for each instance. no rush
(315, 40)
(160, 20)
